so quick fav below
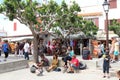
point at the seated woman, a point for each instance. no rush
(54, 64)
(74, 64)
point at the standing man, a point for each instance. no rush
(26, 50)
(5, 48)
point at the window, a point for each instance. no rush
(94, 20)
(112, 21)
(113, 4)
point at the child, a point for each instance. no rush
(106, 63)
(118, 74)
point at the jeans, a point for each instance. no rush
(6, 54)
(67, 58)
(26, 54)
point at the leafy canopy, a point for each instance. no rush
(46, 16)
(115, 26)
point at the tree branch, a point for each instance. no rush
(49, 25)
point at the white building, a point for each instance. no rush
(93, 10)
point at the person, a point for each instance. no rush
(21, 51)
(116, 50)
(36, 68)
(118, 74)
(73, 64)
(54, 64)
(68, 56)
(112, 47)
(5, 49)
(106, 63)
(1, 46)
(44, 61)
(16, 48)
(86, 54)
(26, 50)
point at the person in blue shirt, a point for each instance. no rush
(5, 49)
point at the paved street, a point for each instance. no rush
(88, 74)
(25, 74)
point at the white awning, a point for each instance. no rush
(18, 38)
(102, 35)
(21, 38)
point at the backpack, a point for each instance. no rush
(82, 66)
(32, 69)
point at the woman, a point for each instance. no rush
(69, 54)
(54, 64)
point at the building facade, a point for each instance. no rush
(93, 10)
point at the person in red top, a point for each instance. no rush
(74, 64)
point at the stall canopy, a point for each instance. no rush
(101, 35)
(18, 38)
(79, 35)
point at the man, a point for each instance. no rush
(74, 64)
(26, 50)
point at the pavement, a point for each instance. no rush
(87, 74)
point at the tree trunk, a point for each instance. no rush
(35, 44)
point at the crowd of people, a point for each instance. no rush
(71, 63)
(21, 49)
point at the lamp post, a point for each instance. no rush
(106, 10)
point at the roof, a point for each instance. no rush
(90, 14)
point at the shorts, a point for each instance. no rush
(74, 67)
(116, 53)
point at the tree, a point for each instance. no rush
(73, 23)
(115, 26)
(46, 16)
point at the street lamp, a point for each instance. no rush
(106, 10)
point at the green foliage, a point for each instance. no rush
(64, 16)
(115, 26)
(75, 7)
(2, 8)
